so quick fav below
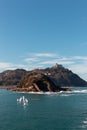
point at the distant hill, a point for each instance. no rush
(58, 74)
(64, 76)
(11, 77)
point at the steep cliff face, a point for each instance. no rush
(37, 82)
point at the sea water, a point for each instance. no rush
(44, 111)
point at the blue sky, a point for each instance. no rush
(41, 33)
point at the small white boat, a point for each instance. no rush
(22, 100)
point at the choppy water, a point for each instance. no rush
(49, 111)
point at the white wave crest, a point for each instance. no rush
(66, 95)
(85, 122)
(47, 93)
(80, 91)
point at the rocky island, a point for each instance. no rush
(53, 79)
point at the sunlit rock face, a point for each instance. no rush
(37, 81)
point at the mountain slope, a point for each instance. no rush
(58, 74)
(11, 77)
(64, 77)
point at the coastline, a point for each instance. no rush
(8, 87)
(16, 89)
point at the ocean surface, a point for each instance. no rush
(44, 111)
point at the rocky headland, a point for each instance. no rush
(39, 82)
(53, 79)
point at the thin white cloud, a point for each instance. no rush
(10, 66)
(31, 59)
(5, 65)
(73, 58)
(53, 62)
(79, 58)
(80, 69)
(45, 55)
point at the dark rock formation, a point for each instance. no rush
(57, 74)
(64, 77)
(37, 82)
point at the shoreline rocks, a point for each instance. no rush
(27, 90)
